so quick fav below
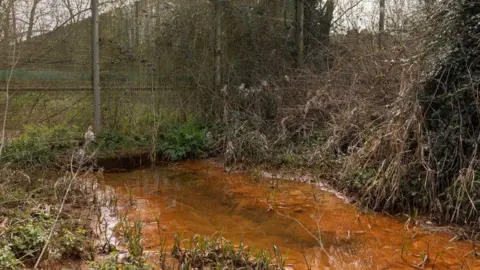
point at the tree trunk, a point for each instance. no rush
(6, 26)
(381, 24)
(137, 24)
(156, 49)
(14, 24)
(218, 45)
(31, 19)
(218, 57)
(299, 8)
(147, 31)
(317, 24)
(326, 24)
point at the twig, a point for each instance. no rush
(74, 176)
(7, 96)
(309, 232)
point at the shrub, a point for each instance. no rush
(27, 240)
(110, 264)
(8, 259)
(72, 244)
(187, 140)
(40, 145)
(425, 147)
(111, 140)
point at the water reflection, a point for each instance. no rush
(305, 222)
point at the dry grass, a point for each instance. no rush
(404, 134)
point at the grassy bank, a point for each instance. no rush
(42, 146)
(197, 252)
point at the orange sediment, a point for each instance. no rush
(197, 197)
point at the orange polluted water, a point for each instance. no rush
(197, 197)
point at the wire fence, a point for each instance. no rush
(156, 57)
(48, 77)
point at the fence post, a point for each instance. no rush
(96, 67)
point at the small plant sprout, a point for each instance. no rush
(131, 195)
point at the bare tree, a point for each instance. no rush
(218, 44)
(6, 25)
(136, 30)
(326, 22)
(73, 7)
(381, 24)
(317, 25)
(299, 8)
(31, 19)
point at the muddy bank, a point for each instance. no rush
(125, 160)
(306, 222)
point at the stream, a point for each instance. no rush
(308, 224)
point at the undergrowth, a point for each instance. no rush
(188, 140)
(398, 130)
(197, 252)
(40, 145)
(424, 152)
(218, 253)
(44, 146)
(28, 206)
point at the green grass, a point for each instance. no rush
(219, 253)
(40, 145)
(198, 252)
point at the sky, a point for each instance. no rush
(350, 14)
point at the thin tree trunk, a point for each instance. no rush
(326, 22)
(14, 23)
(14, 62)
(218, 76)
(31, 19)
(324, 29)
(156, 49)
(137, 24)
(381, 24)
(218, 44)
(96, 67)
(6, 27)
(147, 31)
(218, 57)
(299, 31)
